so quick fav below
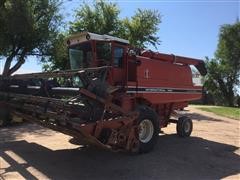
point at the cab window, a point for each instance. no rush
(118, 57)
(103, 50)
(80, 55)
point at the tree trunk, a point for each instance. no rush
(223, 90)
(16, 66)
(9, 71)
(230, 100)
(230, 96)
(7, 66)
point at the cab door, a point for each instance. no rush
(118, 64)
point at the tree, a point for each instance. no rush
(59, 56)
(27, 28)
(141, 29)
(224, 70)
(103, 18)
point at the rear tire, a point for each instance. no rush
(184, 126)
(149, 129)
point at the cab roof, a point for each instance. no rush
(86, 36)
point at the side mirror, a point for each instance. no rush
(131, 52)
(138, 62)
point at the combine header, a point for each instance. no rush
(114, 96)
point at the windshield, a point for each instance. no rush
(80, 55)
(103, 50)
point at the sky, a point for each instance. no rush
(188, 28)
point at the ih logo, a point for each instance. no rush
(146, 73)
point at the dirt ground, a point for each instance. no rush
(28, 151)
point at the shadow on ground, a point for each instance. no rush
(173, 158)
(195, 116)
(200, 117)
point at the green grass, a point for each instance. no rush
(229, 112)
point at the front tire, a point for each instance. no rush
(184, 126)
(148, 125)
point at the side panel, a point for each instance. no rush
(163, 82)
(155, 73)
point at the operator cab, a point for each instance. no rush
(87, 50)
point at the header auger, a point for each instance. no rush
(114, 96)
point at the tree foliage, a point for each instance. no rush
(27, 28)
(224, 70)
(103, 18)
(59, 56)
(141, 29)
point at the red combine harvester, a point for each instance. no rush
(114, 96)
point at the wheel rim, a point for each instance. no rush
(146, 130)
(187, 127)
